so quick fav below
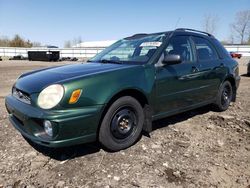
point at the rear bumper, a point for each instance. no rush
(70, 126)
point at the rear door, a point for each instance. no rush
(211, 68)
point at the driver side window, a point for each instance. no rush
(180, 45)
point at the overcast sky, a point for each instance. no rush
(54, 22)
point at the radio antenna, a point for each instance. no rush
(177, 22)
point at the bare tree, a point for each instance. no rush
(76, 41)
(242, 25)
(210, 23)
(67, 44)
(4, 41)
(231, 38)
(72, 43)
(17, 41)
(36, 44)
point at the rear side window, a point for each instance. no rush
(222, 51)
(205, 51)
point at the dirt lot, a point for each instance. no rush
(200, 148)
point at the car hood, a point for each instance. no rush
(35, 81)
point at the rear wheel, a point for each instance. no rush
(224, 96)
(122, 124)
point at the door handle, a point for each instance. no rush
(219, 66)
(195, 69)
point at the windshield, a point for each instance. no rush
(132, 50)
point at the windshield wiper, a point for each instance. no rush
(110, 61)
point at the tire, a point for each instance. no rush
(122, 125)
(224, 97)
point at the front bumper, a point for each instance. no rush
(70, 126)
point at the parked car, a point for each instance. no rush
(248, 69)
(18, 57)
(64, 59)
(68, 59)
(235, 55)
(0, 58)
(120, 91)
(73, 59)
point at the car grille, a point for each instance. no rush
(21, 96)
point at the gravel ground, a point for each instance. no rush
(199, 148)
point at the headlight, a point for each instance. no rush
(50, 96)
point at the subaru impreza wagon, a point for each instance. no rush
(119, 92)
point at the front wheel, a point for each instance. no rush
(122, 124)
(224, 96)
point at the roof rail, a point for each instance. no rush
(195, 31)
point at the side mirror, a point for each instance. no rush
(171, 59)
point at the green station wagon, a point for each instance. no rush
(119, 92)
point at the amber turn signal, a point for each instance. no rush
(75, 96)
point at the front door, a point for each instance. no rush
(177, 86)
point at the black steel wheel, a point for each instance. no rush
(224, 96)
(122, 124)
